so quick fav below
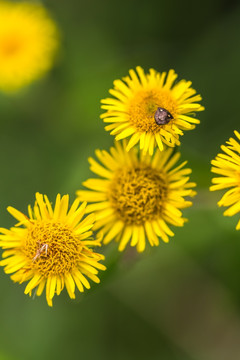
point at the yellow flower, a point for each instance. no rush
(51, 248)
(137, 196)
(228, 165)
(151, 109)
(28, 43)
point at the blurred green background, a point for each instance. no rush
(180, 301)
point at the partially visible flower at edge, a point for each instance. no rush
(29, 40)
(227, 165)
(151, 109)
(51, 248)
(136, 196)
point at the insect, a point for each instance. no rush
(40, 250)
(162, 116)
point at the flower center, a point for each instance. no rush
(144, 105)
(10, 46)
(52, 248)
(137, 194)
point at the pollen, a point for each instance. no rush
(137, 194)
(53, 248)
(144, 105)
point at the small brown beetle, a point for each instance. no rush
(162, 116)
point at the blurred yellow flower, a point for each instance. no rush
(137, 196)
(28, 43)
(51, 248)
(151, 109)
(228, 165)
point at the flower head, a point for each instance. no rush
(136, 196)
(52, 248)
(228, 166)
(28, 43)
(151, 109)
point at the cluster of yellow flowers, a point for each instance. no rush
(139, 189)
